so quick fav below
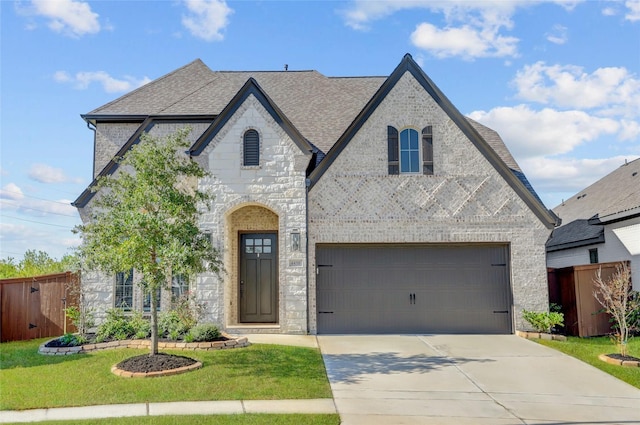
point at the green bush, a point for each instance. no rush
(543, 321)
(117, 326)
(204, 332)
(141, 326)
(170, 325)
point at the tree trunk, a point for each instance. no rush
(154, 322)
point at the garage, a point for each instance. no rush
(413, 288)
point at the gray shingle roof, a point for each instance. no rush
(320, 107)
(574, 234)
(614, 196)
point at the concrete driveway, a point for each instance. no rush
(469, 379)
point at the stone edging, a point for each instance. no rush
(618, 362)
(126, 374)
(231, 342)
(540, 335)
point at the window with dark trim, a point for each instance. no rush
(124, 290)
(179, 286)
(427, 150)
(251, 148)
(593, 255)
(409, 151)
(146, 305)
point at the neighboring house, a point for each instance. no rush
(600, 223)
(342, 205)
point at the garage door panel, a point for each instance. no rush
(413, 289)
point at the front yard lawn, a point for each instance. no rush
(29, 380)
(248, 419)
(588, 350)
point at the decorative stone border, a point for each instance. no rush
(231, 342)
(126, 374)
(541, 335)
(618, 362)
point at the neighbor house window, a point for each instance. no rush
(124, 290)
(179, 286)
(251, 148)
(593, 255)
(409, 151)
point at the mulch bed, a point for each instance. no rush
(156, 363)
(618, 356)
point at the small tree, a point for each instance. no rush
(146, 218)
(619, 300)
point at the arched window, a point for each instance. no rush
(251, 148)
(409, 151)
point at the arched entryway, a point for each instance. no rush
(252, 238)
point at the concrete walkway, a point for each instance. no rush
(317, 406)
(469, 379)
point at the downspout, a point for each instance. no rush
(307, 183)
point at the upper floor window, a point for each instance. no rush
(251, 148)
(405, 152)
(124, 290)
(409, 151)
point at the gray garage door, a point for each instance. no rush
(413, 289)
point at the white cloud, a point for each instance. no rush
(569, 176)
(473, 29)
(463, 41)
(558, 35)
(11, 191)
(633, 12)
(69, 17)
(46, 174)
(82, 80)
(548, 132)
(207, 18)
(610, 90)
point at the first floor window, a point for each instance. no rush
(146, 305)
(409, 151)
(179, 286)
(124, 290)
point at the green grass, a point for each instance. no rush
(29, 380)
(248, 419)
(588, 350)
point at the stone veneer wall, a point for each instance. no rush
(465, 201)
(275, 188)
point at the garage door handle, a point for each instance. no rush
(501, 311)
(325, 312)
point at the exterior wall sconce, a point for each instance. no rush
(295, 240)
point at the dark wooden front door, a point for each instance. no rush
(258, 278)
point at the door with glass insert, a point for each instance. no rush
(258, 286)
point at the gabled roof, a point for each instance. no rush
(470, 128)
(319, 107)
(614, 197)
(112, 165)
(251, 87)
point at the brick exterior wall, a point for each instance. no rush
(465, 201)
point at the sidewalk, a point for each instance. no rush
(309, 406)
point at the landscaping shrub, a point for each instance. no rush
(204, 332)
(170, 325)
(116, 326)
(543, 321)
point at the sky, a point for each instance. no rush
(559, 80)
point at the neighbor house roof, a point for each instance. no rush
(614, 197)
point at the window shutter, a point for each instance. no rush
(251, 148)
(427, 150)
(392, 147)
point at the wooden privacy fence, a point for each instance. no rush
(572, 288)
(33, 307)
